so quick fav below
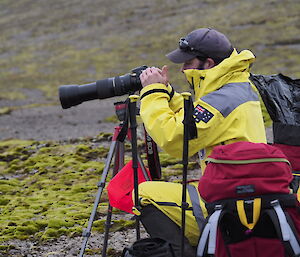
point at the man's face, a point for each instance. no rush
(194, 63)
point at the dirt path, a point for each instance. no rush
(54, 123)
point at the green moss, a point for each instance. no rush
(86, 153)
(57, 182)
(166, 159)
(5, 110)
(113, 252)
(6, 248)
(58, 223)
(50, 233)
(117, 225)
(93, 251)
(112, 119)
(4, 201)
(26, 230)
(103, 136)
(75, 231)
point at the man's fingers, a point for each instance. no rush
(165, 70)
(152, 75)
(165, 74)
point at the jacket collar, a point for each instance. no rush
(233, 69)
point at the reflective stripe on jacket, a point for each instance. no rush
(227, 108)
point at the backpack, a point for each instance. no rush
(251, 210)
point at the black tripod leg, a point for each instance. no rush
(143, 168)
(107, 227)
(118, 165)
(188, 105)
(87, 232)
(133, 127)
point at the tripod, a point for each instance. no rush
(126, 113)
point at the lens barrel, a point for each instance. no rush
(72, 95)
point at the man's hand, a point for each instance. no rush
(154, 75)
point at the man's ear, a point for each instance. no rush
(209, 63)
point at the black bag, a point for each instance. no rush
(281, 96)
(149, 247)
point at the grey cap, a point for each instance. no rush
(204, 42)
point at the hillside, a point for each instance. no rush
(45, 44)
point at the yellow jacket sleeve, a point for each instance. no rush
(176, 101)
(163, 121)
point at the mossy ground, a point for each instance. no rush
(48, 188)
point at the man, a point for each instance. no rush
(226, 110)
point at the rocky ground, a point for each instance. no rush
(51, 122)
(68, 247)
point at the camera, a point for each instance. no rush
(72, 95)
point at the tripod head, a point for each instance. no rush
(121, 109)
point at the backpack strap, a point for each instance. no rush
(286, 233)
(197, 210)
(209, 233)
(242, 214)
(285, 200)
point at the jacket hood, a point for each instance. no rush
(233, 69)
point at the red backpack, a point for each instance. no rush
(251, 210)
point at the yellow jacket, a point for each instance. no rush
(227, 108)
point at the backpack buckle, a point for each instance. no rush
(274, 203)
(218, 207)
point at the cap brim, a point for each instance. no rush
(179, 56)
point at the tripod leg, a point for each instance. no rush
(143, 168)
(107, 227)
(133, 127)
(87, 232)
(118, 165)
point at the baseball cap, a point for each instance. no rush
(204, 42)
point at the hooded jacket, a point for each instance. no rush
(226, 108)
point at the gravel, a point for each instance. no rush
(53, 123)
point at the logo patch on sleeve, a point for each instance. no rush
(200, 113)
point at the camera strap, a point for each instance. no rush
(152, 157)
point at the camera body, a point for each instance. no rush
(72, 95)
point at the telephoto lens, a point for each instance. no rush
(72, 95)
